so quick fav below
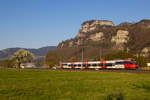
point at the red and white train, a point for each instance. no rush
(113, 64)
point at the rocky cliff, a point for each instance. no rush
(101, 31)
(103, 35)
(90, 30)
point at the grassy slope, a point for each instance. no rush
(61, 85)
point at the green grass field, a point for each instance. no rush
(61, 85)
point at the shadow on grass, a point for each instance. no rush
(117, 96)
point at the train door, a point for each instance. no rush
(119, 64)
(103, 64)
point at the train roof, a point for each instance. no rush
(107, 61)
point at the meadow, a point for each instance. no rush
(71, 85)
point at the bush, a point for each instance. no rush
(7, 63)
(52, 59)
(118, 55)
(141, 61)
(51, 64)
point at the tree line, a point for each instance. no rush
(54, 59)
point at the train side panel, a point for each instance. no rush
(114, 64)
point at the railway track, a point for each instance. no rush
(128, 71)
(116, 70)
(92, 70)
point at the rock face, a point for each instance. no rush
(93, 25)
(97, 36)
(145, 52)
(132, 37)
(121, 38)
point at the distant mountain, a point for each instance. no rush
(37, 52)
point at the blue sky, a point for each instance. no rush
(38, 23)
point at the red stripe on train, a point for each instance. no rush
(72, 65)
(86, 63)
(62, 66)
(103, 62)
(129, 66)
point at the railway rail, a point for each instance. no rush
(91, 70)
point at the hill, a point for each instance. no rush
(37, 52)
(100, 37)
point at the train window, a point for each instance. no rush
(108, 64)
(94, 64)
(119, 63)
(69, 65)
(79, 64)
(64, 64)
(72, 64)
(101, 64)
(127, 62)
(84, 64)
(133, 61)
(75, 65)
(122, 63)
(88, 64)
